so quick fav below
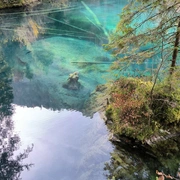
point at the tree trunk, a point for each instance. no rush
(175, 51)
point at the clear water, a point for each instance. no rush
(41, 48)
(67, 145)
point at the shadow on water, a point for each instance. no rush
(11, 165)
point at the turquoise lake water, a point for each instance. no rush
(41, 48)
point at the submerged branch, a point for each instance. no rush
(71, 25)
(84, 62)
(95, 18)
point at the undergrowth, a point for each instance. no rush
(138, 113)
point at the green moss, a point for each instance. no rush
(137, 113)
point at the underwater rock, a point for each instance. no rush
(72, 82)
(98, 101)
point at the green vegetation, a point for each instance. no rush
(136, 115)
(147, 30)
(144, 112)
(147, 109)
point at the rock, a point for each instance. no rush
(97, 102)
(113, 138)
(157, 138)
(100, 88)
(72, 82)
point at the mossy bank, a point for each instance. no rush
(132, 111)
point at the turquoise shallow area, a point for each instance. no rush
(107, 13)
(51, 60)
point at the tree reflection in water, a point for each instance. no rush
(127, 163)
(130, 161)
(11, 166)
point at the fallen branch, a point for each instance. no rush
(95, 18)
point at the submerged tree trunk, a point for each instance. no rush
(175, 51)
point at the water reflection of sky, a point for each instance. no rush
(67, 145)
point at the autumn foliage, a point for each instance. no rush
(137, 114)
(129, 104)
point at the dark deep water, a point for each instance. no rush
(40, 49)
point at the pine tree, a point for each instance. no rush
(148, 29)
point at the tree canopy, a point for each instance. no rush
(148, 29)
(145, 108)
